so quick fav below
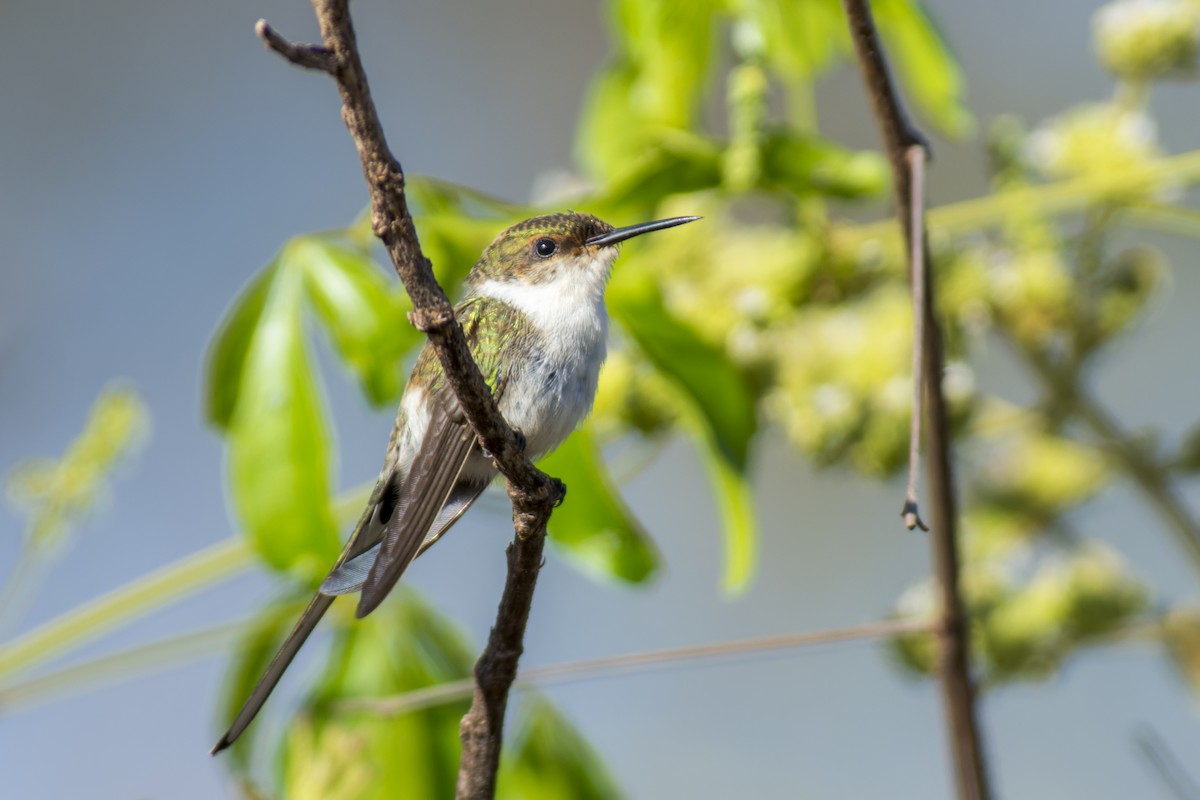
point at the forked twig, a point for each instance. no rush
(533, 493)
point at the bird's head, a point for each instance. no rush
(556, 246)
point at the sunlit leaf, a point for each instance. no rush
(593, 526)
(806, 164)
(401, 647)
(609, 132)
(736, 501)
(58, 493)
(799, 39)
(364, 316)
(929, 70)
(453, 243)
(724, 417)
(656, 80)
(226, 359)
(545, 758)
(278, 444)
(674, 164)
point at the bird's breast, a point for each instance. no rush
(552, 376)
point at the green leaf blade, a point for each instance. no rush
(928, 69)
(226, 359)
(721, 406)
(363, 315)
(279, 449)
(592, 526)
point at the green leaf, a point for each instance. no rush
(545, 758)
(404, 646)
(806, 164)
(226, 359)
(926, 65)
(720, 401)
(656, 81)
(798, 39)
(736, 502)
(671, 43)
(364, 316)
(278, 445)
(593, 526)
(453, 242)
(610, 133)
(676, 163)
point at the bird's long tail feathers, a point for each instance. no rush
(266, 684)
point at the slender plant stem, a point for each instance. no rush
(632, 663)
(953, 661)
(22, 582)
(1061, 197)
(186, 576)
(116, 667)
(1166, 764)
(1165, 218)
(1150, 477)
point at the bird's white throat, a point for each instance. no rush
(558, 384)
(569, 307)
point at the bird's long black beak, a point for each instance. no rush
(629, 231)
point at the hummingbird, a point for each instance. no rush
(535, 321)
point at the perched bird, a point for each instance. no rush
(535, 321)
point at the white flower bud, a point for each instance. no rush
(1146, 39)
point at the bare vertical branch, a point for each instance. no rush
(915, 156)
(533, 493)
(906, 150)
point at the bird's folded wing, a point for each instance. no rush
(349, 577)
(431, 478)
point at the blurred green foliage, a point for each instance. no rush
(57, 493)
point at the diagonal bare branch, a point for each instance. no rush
(533, 493)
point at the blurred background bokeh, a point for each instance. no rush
(153, 157)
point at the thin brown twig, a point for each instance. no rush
(953, 663)
(1165, 764)
(630, 663)
(533, 493)
(309, 56)
(915, 156)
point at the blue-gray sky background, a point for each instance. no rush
(153, 156)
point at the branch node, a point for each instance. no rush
(309, 56)
(912, 516)
(432, 320)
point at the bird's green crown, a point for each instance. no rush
(534, 250)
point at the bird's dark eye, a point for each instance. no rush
(546, 247)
